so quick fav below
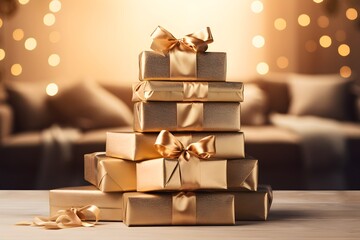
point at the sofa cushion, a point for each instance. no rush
(87, 105)
(320, 95)
(30, 106)
(254, 107)
(276, 88)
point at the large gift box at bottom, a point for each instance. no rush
(248, 205)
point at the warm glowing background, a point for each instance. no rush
(59, 41)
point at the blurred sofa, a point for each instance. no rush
(43, 139)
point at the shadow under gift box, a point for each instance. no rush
(248, 205)
(182, 116)
(164, 174)
(211, 66)
(140, 146)
(109, 174)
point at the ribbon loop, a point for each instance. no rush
(188, 158)
(73, 217)
(164, 41)
(170, 147)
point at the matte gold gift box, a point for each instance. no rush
(253, 205)
(175, 116)
(109, 174)
(166, 174)
(211, 66)
(140, 146)
(188, 91)
(110, 204)
(178, 209)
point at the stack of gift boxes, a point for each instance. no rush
(184, 163)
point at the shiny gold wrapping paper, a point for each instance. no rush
(140, 146)
(253, 205)
(188, 91)
(164, 209)
(164, 174)
(175, 116)
(110, 204)
(211, 66)
(109, 174)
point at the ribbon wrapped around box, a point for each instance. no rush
(109, 174)
(253, 205)
(110, 204)
(140, 146)
(186, 116)
(182, 59)
(189, 167)
(188, 91)
(163, 174)
(178, 209)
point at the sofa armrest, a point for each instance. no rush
(6, 121)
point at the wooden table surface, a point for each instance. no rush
(294, 215)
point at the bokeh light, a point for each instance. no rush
(304, 20)
(18, 34)
(16, 69)
(257, 6)
(49, 19)
(1, 22)
(345, 71)
(55, 6)
(54, 60)
(23, 2)
(30, 44)
(325, 41)
(52, 89)
(344, 50)
(262, 68)
(323, 21)
(2, 54)
(282, 62)
(318, 1)
(280, 24)
(258, 41)
(351, 13)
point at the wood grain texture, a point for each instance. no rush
(294, 215)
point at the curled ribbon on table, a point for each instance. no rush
(72, 217)
(188, 158)
(182, 51)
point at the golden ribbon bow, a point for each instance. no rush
(188, 158)
(182, 52)
(72, 217)
(164, 41)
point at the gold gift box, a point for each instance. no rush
(175, 116)
(211, 66)
(140, 146)
(110, 204)
(253, 205)
(178, 209)
(164, 174)
(109, 174)
(188, 91)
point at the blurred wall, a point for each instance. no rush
(102, 38)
